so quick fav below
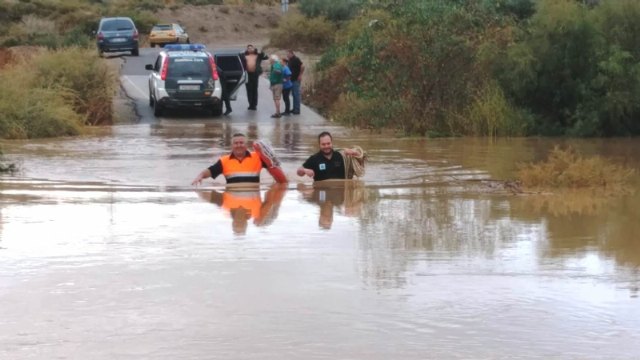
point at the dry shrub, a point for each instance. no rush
(30, 111)
(352, 110)
(33, 25)
(6, 57)
(325, 89)
(568, 169)
(82, 73)
(298, 32)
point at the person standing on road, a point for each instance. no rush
(275, 79)
(326, 163)
(251, 60)
(297, 69)
(239, 166)
(227, 88)
(287, 85)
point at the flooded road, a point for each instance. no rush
(107, 252)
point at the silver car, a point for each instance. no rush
(184, 76)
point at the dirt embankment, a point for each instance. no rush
(225, 25)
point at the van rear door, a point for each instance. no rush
(231, 70)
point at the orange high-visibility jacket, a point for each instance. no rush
(246, 171)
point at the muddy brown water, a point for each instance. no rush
(108, 252)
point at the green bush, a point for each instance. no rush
(577, 68)
(421, 59)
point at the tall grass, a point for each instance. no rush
(490, 114)
(29, 111)
(55, 93)
(87, 78)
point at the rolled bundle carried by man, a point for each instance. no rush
(269, 157)
(354, 165)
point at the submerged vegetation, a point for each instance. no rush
(567, 169)
(4, 167)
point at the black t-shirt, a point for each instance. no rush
(294, 65)
(324, 168)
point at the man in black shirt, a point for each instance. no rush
(326, 163)
(297, 69)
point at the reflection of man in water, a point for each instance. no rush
(244, 204)
(347, 197)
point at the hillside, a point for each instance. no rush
(225, 25)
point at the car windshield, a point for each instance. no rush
(189, 67)
(161, 28)
(117, 24)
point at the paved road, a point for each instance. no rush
(134, 81)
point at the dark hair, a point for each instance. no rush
(323, 134)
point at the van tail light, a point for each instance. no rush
(135, 34)
(100, 36)
(214, 70)
(165, 68)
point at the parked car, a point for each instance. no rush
(117, 34)
(162, 34)
(184, 76)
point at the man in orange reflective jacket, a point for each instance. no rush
(240, 166)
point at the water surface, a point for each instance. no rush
(106, 252)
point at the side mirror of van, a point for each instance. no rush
(148, 67)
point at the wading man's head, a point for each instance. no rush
(325, 143)
(239, 145)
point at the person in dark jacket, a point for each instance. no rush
(251, 60)
(297, 69)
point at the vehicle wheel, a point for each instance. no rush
(216, 110)
(135, 52)
(150, 100)
(157, 109)
(152, 45)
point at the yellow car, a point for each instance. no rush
(162, 34)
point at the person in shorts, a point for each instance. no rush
(275, 80)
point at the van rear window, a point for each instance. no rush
(189, 67)
(117, 24)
